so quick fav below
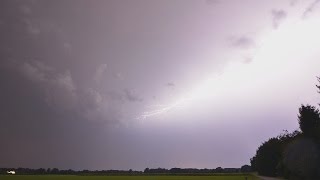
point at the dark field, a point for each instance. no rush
(58, 177)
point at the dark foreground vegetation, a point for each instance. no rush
(72, 177)
(295, 155)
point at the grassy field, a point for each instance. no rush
(58, 177)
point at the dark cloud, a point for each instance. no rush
(277, 17)
(118, 75)
(246, 44)
(293, 2)
(100, 72)
(212, 2)
(101, 108)
(92, 99)
(170, 84)
(31, 27)
(67, 45)
(242, 42)
(131, 96)
(60, 90)
(25, 9)
(31, 128)
(33, 73)
(310, 8)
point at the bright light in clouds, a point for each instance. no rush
(162, 109)
(279, 55)
(211, 87)
(290, 40)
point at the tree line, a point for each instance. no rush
(293, 155)
(147, 171)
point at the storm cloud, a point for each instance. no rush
(136, 84)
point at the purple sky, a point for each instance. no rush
(121, 84)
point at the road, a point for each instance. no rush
(268, 178)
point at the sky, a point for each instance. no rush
(131, 84)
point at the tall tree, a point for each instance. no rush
(309, 121)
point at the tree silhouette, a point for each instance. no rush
(268, 157)
(293, 155)
(301, 159)
(253, 162)
(318, 86)
(309, 121)
(245, 168)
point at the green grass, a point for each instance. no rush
(61, 177)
